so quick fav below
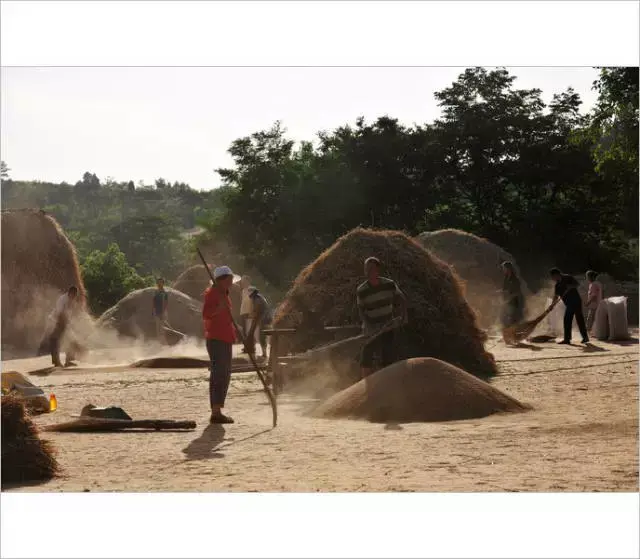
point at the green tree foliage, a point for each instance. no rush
(108, 278)
(4, 171)
(548, 183)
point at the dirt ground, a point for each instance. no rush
(581, 436)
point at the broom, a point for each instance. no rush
(518, 332)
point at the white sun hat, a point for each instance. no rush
(222, 271)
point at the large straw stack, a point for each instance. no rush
(420, 389)
(25, 457)
(132, 315)
(441, 323)
(477, 261)
(39, 263)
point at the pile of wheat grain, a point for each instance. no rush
(420, 389)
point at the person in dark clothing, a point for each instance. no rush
(513, 300)
(376, 299)
(159, 310)
(567, 290)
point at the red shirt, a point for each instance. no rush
(218, 322)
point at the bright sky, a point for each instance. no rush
(177, 123)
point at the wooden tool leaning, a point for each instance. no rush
(252, 357)
(518, 332)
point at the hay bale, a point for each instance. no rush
(39, 263)
(441, 323)
(25, 457)
(194, 280)
(132, 316)
(477, 261)
(420, 389)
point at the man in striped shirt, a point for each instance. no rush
(377, 298)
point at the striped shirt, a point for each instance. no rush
(376, 301)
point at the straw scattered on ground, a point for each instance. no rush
(25, 457)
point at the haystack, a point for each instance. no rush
(477, 261)
(441, 323)
(132, 316)
(39, 263)
(421, 389)
(25, 457)
(194, 280)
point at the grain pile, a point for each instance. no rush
(441, 323)
(194, 280)
(25, 457)
(421, 389)
(39, 263)
(132, 316)
(477, 261)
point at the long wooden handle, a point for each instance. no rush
(261, 376)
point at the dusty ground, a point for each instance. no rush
(582, 435)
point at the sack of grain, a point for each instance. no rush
(600, 329)
(553, 322)
(618, 323)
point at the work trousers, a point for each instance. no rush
(220, 354)
(569, 313)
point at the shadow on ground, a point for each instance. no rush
(204, 447)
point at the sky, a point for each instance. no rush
(177, 123)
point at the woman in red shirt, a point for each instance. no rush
(219, 331)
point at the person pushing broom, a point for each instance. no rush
(377, 299)
(567, 289)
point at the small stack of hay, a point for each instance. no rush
(25, 457)
(421, 389)
(441, 323)
(39, 263)
(132, 316)
(194, 280)
(477, 261)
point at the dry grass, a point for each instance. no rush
(477, 261)
(25, 457)
(132, 315)
(38, 264)
(421, 389)
(441, 323)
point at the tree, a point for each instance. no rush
(614, 134)
(108, 278)
(4, 171)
